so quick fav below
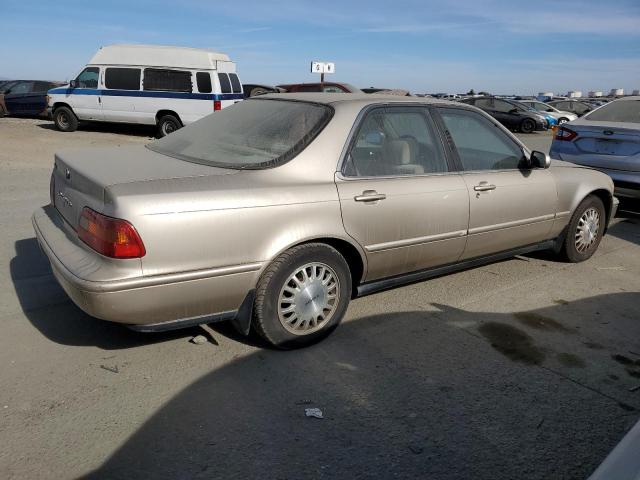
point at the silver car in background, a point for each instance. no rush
(607, 139)
(274, 213)
(560, 116)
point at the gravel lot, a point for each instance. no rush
(521, 369)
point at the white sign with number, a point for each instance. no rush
(323, 67)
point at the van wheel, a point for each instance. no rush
(168, 124)
(302, 296)
(527, 126)
(585, 230)
(65, 120)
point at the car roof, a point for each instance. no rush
(365, 98)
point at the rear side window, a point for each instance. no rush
(22, 87)
(235, 83)
(225, 84)
(122, 78)
(204, 82)
(167, 80)
(627, 111)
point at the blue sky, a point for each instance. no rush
(420, 45)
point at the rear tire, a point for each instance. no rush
(168, 124)
(527, 126)
(302, 296)
(65, 120)
(562, 120)
(585, 230)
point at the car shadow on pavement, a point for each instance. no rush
(445, 394)
(627, 227)
(50, 310)
(129, 129)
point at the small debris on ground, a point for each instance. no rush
(199, 340)
(633, 389)
(313, 412)
(417, 449)
(620, 269)
(113, 369)
(304, 402)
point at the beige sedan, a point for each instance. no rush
(276, 212)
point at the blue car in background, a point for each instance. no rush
(551, 121)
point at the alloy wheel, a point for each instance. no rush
(309, 298)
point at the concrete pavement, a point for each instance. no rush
(521, 369)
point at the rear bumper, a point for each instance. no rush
(115, 290)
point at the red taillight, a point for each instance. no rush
(217, 105)
(565, 135)
(112, 237)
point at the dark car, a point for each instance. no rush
(327, 87)
(575, 106)
(511, 114)
(25, 97)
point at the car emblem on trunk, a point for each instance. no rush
(65, 199)
(67, 174)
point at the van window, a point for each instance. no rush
(204, 82)
(167, 80)
(225, 84)
(88, 78)
(235, 83)
(122, 78)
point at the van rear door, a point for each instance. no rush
(230, 86)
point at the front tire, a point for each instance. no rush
(585, 230)
(168, 124)
(65, 120)
(562, 120)
(527, 126)
(302, 296)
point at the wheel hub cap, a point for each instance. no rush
(588, 229)
(308, 299)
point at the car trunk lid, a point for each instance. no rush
(80, 177)
(611, 145)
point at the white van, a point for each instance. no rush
(147, 84)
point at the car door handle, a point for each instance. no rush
(484, 187)
(369, 196)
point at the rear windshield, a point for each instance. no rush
(252, 134)
(627, 111)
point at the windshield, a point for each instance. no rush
(627, 111)
(253, 134)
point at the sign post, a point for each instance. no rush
(322, 68)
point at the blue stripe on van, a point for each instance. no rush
(143, 93)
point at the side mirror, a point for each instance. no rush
(514, 110)
(374, 138)
(539, 160)
(550, 110)
(73, 84)
(7, 91)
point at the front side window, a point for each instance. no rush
(484, 103)
(479, 143)
(627, 111)
(253, 134)
(396, 141)
(332, 89)
(88, 78)
(235, 83)
(504, 107)
(204, 82)
(165, 80)
(122, 78)
(225, 83)
(22, 87)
